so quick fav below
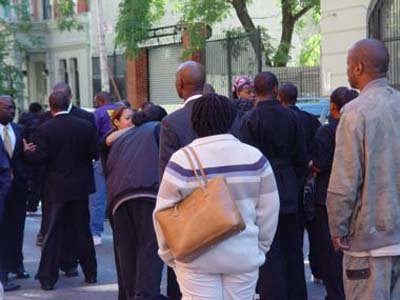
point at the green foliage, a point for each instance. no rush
(196, 15)
(310, 55)
(136, 17)
(15, 39)
(67, 18)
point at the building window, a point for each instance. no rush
(116, 68)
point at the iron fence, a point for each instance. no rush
(307, 79)
(384, 24)
(230, 57)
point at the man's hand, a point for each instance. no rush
(30, 147)
(340, 243)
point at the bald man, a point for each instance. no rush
(177, 132)
(363, 198)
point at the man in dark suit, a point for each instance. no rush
(13, 220)
(66, 145)
(277, 133)
(287, 95)
(177, 132)
(68, 262)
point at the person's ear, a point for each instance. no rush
(359, 69)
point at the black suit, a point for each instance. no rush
(277, 133)
(82, 114)
(13, 222)
(66, 146)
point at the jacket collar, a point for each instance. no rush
(190, 99)
(381, 82)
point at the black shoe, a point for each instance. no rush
(91, 280)
(71, 273)
(47, 286)
(10, 286)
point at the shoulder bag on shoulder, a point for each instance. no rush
(205, 217)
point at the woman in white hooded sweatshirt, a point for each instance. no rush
(229, 270)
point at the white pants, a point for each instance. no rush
(200, 286)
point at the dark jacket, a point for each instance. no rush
(310, 124)
(66, 146)
(177, 132)
(133, 165)
(277, 133)
(322, 157)
(30, 121)
(242, 105)
(5, 177)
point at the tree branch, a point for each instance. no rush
(302, 12)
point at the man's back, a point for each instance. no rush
(176, 132)
(366, 170)
(274, 130)
(66, 146)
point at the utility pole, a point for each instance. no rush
(104, 75)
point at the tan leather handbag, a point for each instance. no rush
(205, 217)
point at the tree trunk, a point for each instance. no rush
(289, 19)
(240, 7)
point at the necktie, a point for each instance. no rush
(7, 141)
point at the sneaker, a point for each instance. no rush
(97, 241)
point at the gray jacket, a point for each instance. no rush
(364, 189)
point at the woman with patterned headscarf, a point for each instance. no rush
(243, 94)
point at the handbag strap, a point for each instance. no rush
(186, 152)
(196, 157)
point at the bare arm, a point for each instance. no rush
(115, 135)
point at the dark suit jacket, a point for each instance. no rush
(66, 146)
(310, 124)
(83, 114)
(277, 133)
(5, 177)
(177, 132)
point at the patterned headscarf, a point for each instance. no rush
(242, 82)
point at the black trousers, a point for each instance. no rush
(282, 276)
(12, 228)
(140, 267)
(67, 219)
(329, 260)
(68, 260)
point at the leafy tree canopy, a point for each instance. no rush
(136, 17)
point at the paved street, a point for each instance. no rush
(75, 288)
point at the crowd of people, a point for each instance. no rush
(286, 172)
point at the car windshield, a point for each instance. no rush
(317, 107)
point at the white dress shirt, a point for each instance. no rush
(11, 133)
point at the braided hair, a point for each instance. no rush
(212, 114)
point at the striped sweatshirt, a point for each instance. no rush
(252, 184)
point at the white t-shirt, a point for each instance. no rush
(392, 250)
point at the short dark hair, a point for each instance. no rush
(62, 86)
(35, 107)
(342, 95)
(212, 114)
(105, 96)
(288, 93)
(151, 113)
(58, 101)
(265, 82)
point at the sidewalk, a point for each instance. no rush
(75, 288)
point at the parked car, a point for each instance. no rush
(319, 107)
